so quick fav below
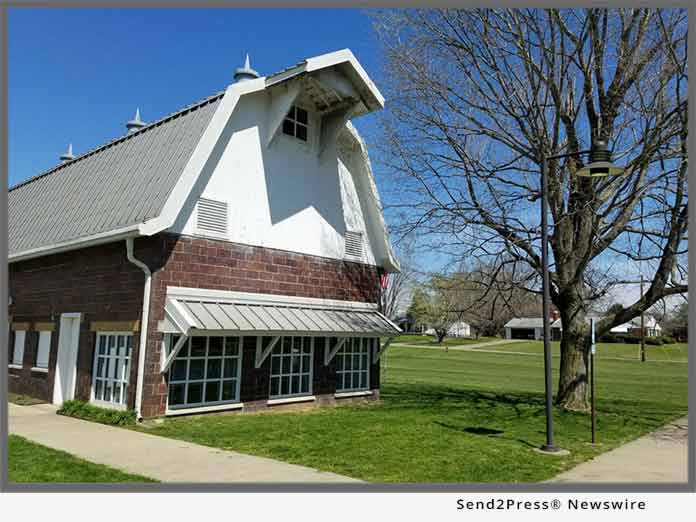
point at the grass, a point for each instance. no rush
(31, 462)
(677, 352)
(429, 340)
(457, 416)
(23, 400)
(83, 410)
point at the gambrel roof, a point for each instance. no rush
(120, 184)
(137, 184)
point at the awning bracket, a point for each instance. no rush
(378, 351)
(175, 351)
(262, 354)
(330, 354)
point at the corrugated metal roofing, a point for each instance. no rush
(205, 315)
(122, 183)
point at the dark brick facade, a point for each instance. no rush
(221, 265)
(99, 282)
(103, 285)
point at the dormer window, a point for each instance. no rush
(296, 123)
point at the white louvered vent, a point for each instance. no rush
(212, 216)
(354, 244)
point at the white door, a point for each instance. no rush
(66, 362)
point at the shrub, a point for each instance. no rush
(83, 410)
(631, 339)
(608, 338)
(654, 341)
(668, 339)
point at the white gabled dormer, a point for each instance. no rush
(276, 164)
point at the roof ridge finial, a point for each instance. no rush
(67, 156)
(136, 123)
(246, 72)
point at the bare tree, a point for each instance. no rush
(393, 298)
(477, 97)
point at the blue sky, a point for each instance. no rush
(77, 75)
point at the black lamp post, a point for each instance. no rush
(600, 166)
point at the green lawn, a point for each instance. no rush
(31, 462)
(429, 340)
(456, 416)
(665, 353)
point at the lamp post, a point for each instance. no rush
(600, 166)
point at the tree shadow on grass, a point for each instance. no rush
(492, 433)
(444, 397)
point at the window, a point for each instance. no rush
(205, 372)
(353, 244)
(111, 372)
(18, 353)
(353, 365)
(296, 123)
(212, 216)
(44, 350)
(291, 367)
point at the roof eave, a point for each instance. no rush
(76, 244)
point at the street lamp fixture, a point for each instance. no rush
(600, 166)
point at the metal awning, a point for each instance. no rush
(193, 311)
(189, 311)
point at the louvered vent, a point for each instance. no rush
(212, 216)
(354, 244)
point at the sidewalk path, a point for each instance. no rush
(160, 458)
(661, 456)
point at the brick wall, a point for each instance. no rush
(101, 284)
(221, 265)
(98, 282)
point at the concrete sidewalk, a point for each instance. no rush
(661, 456)
(160, 458)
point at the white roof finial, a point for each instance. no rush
(246, 72)
(67, 156)
(136, 123)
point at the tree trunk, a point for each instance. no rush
(572, 383)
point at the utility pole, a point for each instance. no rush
(642, 324)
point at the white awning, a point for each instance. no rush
(191, 311)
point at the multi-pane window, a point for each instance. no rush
(353, 365)
(112, 360)
(296, 123)
(44, 349)
(205, 372)
(291, 367)
(18, 352)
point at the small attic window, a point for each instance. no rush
(296, 123)
(211, 216)
(354, 244)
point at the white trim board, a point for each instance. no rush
(193, 294)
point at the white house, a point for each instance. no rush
(652, 327)
(531, 328)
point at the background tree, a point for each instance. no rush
(477, 97)
(437, 304)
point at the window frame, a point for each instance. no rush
(279, 376)
(293, 109)
(43, 334)
(13, 363)
(204, 405)
(340, 374)
(124, 380)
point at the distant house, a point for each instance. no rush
(407, 324)
(457, 329)
(531, 328)
(632, 327)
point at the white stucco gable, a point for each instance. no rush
(281, 192)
